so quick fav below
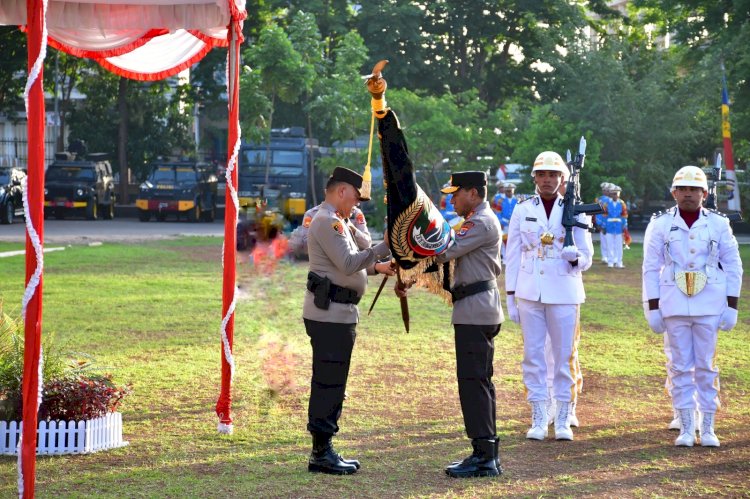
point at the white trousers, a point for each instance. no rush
(560, 323)
(668, 365)
(577, 373)
(603, 246)
(692, 341)
(614, 248)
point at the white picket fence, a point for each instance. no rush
(66, 437)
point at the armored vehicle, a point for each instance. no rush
(180, 188)
(11, 196)
(74, 185)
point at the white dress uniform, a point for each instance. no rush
(710, 248)
(548, 290)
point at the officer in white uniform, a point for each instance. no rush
(692, 275)
(545, 289)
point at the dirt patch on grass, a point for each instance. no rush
(622, 449)
(198, 253)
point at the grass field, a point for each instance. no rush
(151, 313)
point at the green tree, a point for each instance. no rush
(283, 74)
(156, 125)
(12, 70)
(711, 34)
(67, 69)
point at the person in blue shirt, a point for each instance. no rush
(601, 218)
(497, 200)
(447, 210)
(615, 224)
(509, 204)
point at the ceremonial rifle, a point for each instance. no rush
(572, 204)
(712, 201)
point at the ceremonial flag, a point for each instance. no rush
(417, 230)
(733, 201)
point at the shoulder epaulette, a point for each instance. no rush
(527, 199)
(658, 214)
(716, 212)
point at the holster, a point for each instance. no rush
(321, 288)
(326, 291)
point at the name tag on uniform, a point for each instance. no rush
(674, 227)
(530, 219)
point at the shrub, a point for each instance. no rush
(73, 387)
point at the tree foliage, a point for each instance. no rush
(156, 126)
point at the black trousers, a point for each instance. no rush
(475, 350)
(332, 345)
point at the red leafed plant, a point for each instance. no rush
(81, 397)
(74, 387)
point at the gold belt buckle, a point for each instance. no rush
(690, 283)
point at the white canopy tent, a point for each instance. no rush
(138, 39)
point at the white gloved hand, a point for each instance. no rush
(656, 321)
(728, 319)
(570, 253)
(513, 313)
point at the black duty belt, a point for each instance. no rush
(461, 292)
(336, 293)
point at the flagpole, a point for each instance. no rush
(733, 201)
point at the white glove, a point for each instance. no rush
(656, 321)
(513, 313)
(728, 319)
(570, 253)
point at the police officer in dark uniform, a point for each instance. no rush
(476, 320)
(335, 285)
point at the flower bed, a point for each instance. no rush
(67, 437)
(77, 414)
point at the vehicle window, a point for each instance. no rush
(285, 163)
(163, 175)
(71, 173)
(185, 176)
(4, 176)
(287, 158)
(253, 157)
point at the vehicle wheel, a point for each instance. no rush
(92, 210)
(195, 214)
(210, 215)
(6, 217)
(109, 209)
(161, 216)
(144, 215)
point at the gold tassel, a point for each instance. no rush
(366, 190)
(433, 281)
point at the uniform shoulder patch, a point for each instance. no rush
(360, 218)
(465, 227)
(338, 226)
(306, 222)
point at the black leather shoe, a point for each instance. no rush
(497, 457)
(482, 462)
(324, 458)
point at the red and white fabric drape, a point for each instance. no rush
(138, 39)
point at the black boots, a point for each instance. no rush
(484, 461)
(324, 458)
